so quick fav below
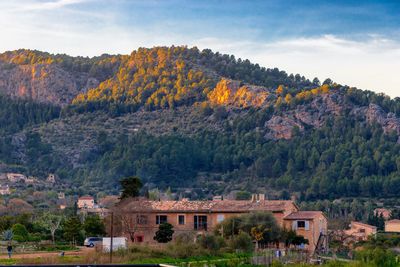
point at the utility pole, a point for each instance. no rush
(112, 236)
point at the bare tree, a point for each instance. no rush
(128, 226)
(52, 222)
(132, 222)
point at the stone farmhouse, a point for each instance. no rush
(86, 202)
(142, 217)
(360, 231)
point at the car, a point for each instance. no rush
(92, 241)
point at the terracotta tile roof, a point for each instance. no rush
(262, 205)
(393, 221)
(132, 205)
(86, 198)
(304, 215)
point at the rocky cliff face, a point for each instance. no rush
(312, 113)
(389, 122)
(46, 83)
(230, 92)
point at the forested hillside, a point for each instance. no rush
(194, 120)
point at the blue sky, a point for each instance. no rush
(353, 42)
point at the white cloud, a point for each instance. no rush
(48, 5)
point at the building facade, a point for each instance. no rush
(312, 225)
(360, 231)
(140, 218)
(86, 202)
(5, 190)
(392, 226)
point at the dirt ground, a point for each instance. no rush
(33, 255)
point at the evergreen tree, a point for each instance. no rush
(94, 226)
(130, 187)
(72, 228)
(164, 233)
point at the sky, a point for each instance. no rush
(355, 43)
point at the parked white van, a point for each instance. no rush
(118, 243)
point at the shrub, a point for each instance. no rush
(184, 250)
(242, 242)
(211, 242)
(377, 256)
(184, 238)
(7, 235)
(20, 232)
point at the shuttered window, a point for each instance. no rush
(307, 225)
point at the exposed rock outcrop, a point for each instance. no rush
(388, 121)
(282, 127)
(46, 83)
(229, 92)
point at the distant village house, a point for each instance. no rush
(4, 190)
(30, 180)
(86, 202)
(62, 204)
(15, 177)
(360, 231)
(385, 213)
(51, 178)
(392, 226)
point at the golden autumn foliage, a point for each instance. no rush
(308, 94)
(221, 93)
(155, 78)
(279, 90)
(288, 98)
(24, 57)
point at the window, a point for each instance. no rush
(200, 222)
(301, 224)
(160, 219)
(220, 218)
(139, 239)
(304, 225)
(141, 219)
(362, 230)
(181, 219)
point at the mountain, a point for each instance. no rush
(200, 122)
(55, 79)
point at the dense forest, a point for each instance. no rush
(344, 158)
(343, 155)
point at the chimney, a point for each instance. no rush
(218, 198)
(257, 197)
(293, 198)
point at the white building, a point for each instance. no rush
(4, 190)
